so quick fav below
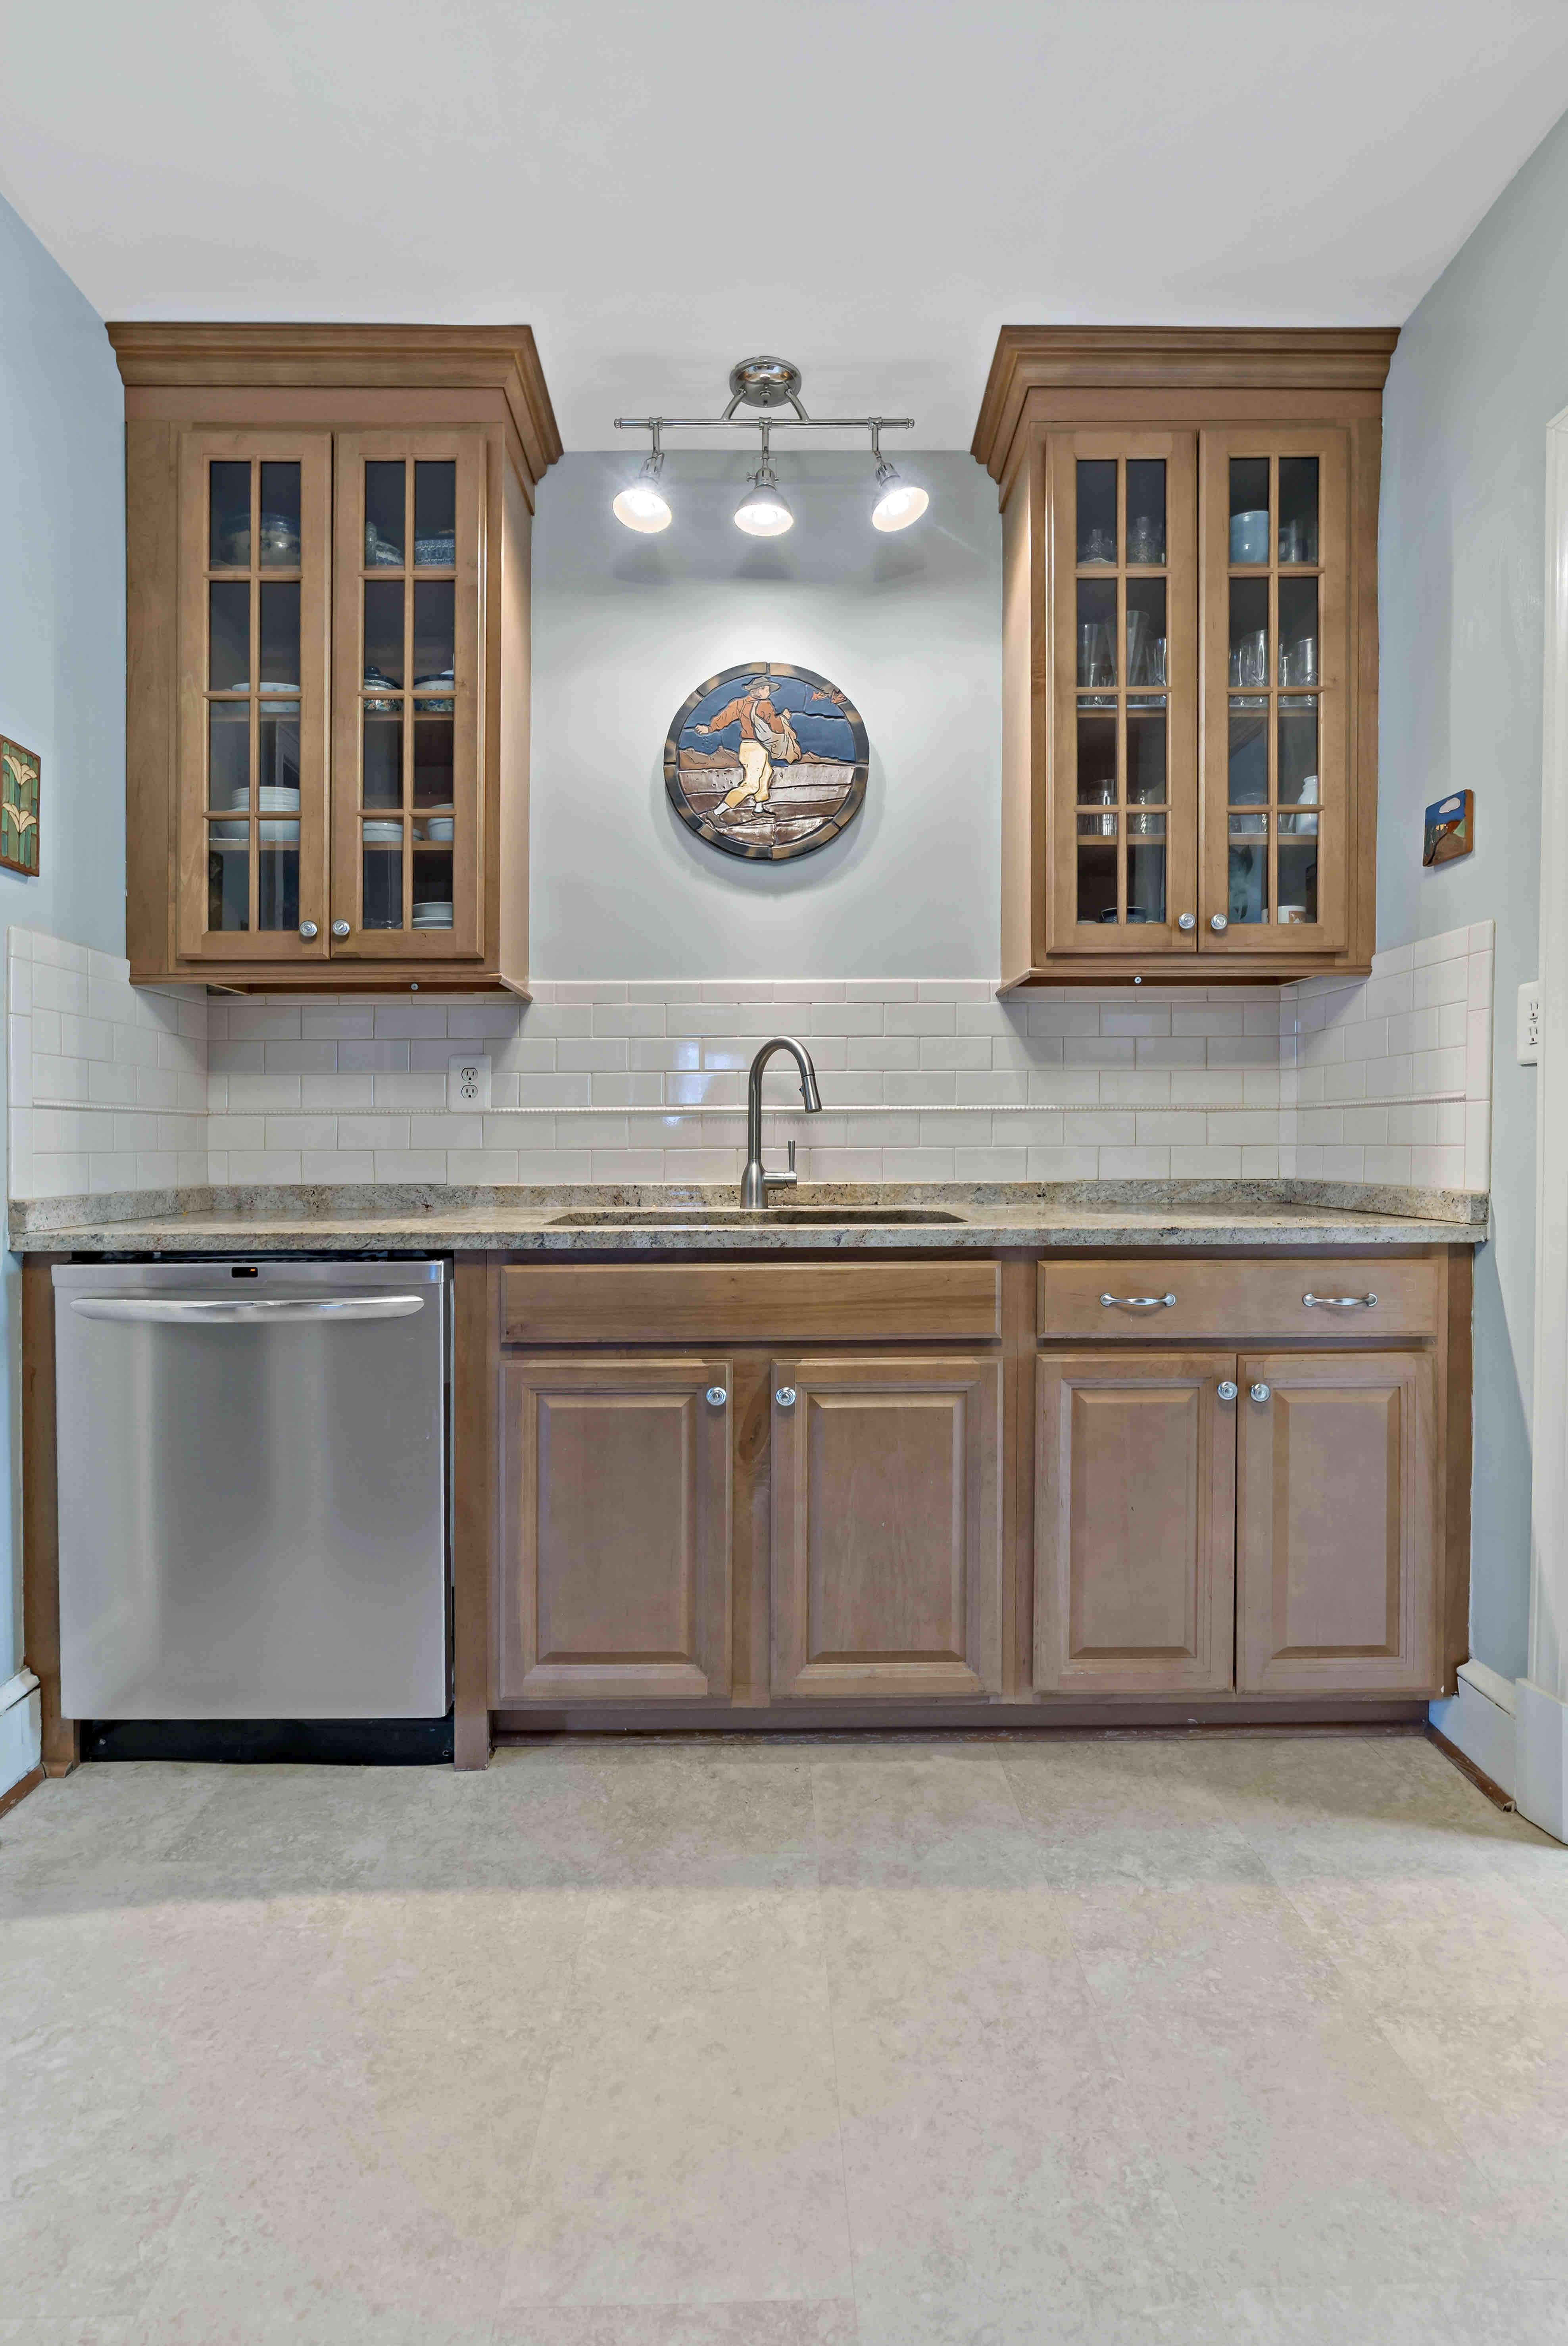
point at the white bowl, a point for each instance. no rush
(439, 826)
(382, 834)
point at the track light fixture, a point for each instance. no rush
(764, 511)
(642, 504)
(898, 502)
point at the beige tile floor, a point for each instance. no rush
(1130, 2043)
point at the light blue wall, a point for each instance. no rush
(62, 663)
(1480, 372)
(909, 626)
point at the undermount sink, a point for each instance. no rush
(698, 1218)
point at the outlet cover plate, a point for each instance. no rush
(468, 1080)
(1528, 1045)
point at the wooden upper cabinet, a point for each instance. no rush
(327, 542)
(1189, 649)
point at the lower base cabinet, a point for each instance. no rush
(1265, 1521)
(616, 1530)
(887, 1527)
(1336, 1512)
(1134, 1522)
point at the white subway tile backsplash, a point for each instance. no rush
(937, 1079)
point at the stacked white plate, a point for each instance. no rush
(272, 799)
(383, 834)
(431, 915)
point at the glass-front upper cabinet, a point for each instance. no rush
(254, 570)
(1125, 624)
(407, 686)
(1276, 816)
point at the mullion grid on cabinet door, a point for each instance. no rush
(1119, 679)
(405, 868)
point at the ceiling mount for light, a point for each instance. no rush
(767, 384)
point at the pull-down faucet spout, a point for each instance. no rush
(756, 1181)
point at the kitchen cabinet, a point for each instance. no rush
(1135, 1522)
(886, 1527)
(1189, 650)
(1336, 1509)
(328, 536)
(616, 1509)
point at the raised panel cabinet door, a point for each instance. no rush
(887, 1526)
(1338, 1569)
(1279, 683)
(408, 695)
(616, 1530)
(254, 568)
(1134, 1524)
(1123, 675)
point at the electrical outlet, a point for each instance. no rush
(468, 1080)
(1529, 1041)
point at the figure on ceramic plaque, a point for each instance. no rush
(766, 733)
(766, 761)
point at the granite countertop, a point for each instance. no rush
(374, 1217)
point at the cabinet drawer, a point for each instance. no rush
(746, 1303)
(1236, 1301)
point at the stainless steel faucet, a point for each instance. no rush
(756, 1179)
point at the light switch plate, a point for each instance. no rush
(468, 1080)
(1529, 1041)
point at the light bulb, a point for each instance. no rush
(898, 503)
(643, 506)
(762, 512)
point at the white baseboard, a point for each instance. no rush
(1541, 1785)
(1479, 1721)
(20, 1727)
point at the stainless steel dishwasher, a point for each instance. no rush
(254, 1489)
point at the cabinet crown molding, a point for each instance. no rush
(249, 356)
(1083, 358)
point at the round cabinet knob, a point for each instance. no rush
(340, 928)
(309, 929)
(1218, 922)
(1260, 1393)
(784, 1396)
(717, 1395)
(1228, 1389)
(1188, 920)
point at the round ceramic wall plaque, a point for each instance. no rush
(767, 761)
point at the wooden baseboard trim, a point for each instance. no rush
(1467, 1767)
(20, 1789)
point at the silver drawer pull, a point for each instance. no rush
(784, 1396)
(1340, 1302)
(1258, 1392)
(1140, 1302)
(1227, 1389)
(717, 1395)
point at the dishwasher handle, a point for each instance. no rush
(204, 1311)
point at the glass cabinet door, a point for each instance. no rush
(1276, 692)
(254, 562)
(1124, 692)
(407, 687)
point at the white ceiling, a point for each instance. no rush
(870, 187)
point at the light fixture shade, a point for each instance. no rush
(643, 506)
(763, 510)
(899, 503)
